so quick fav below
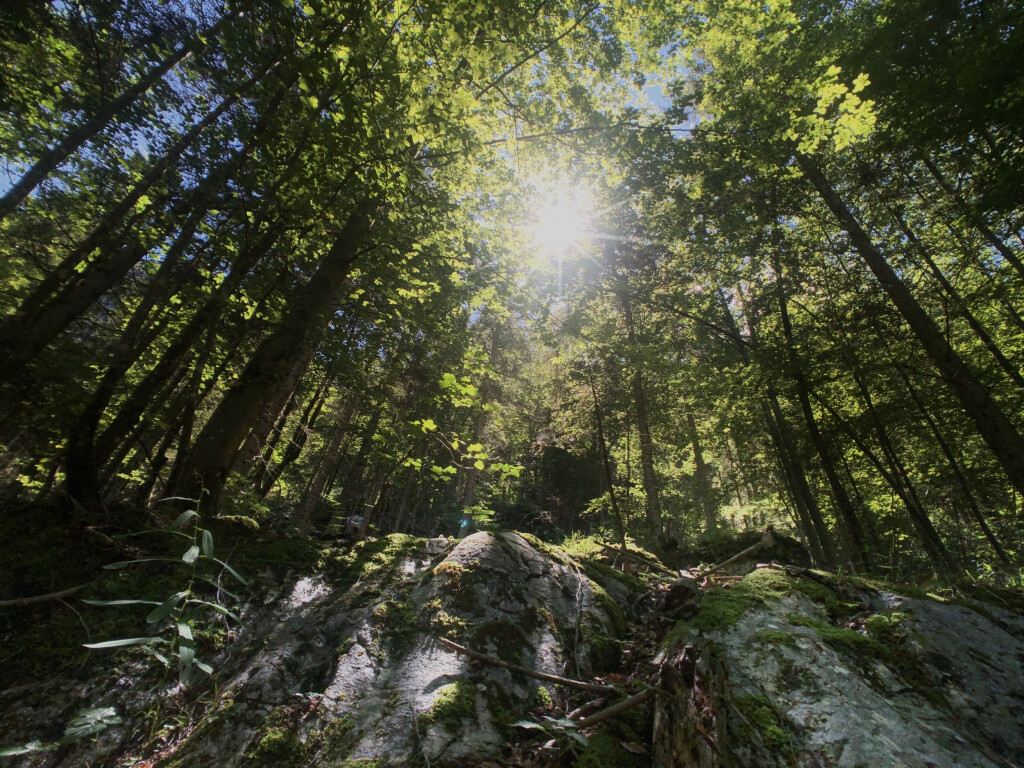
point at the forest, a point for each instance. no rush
(291, 273)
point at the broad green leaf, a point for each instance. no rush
(183, 518)
(207, 543)
(191, 554)
(164, 609)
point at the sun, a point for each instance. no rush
(561, 220)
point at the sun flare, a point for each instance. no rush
(562, 220)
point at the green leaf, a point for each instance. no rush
(207, 543)
(183, 518)
(232, 571)
(187, 653)
(165, 608)
(478, 464)
(528, 724)
(89, 722)
(124, 641)
(218, 608)
(184, 630)
(191, 554)
(120, 602)
(204, 666)
(32, 746)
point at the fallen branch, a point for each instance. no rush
(766, 540)
(42, 598)
(614, 709)
(528, 672)
(584, 709)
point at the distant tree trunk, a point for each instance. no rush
(325, 466)
(975, 218)
(701, 477)
(807, 506)
(610, 478)
(962, 306)
(297, 442)
(848, 515)
(75, 138)
(653, 507)
(277, 362)
(957, 472)
(998, 432)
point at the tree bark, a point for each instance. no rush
(998, 432)
(652, 507)
(848, 515)
(75, 138)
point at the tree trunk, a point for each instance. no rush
(325, 466)
(702, 478)
(848, 515)
(653, 507)
(610, 479)
(89, 128)
(958, 473)
(998, 432)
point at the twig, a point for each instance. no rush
(42, 598)
(766, 540)
(583, 709)
(528, 672)
(614, 709)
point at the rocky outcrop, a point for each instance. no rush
(795, 668)
(344, 667)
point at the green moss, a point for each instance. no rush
(279, 745)
(597, 571)
(452, 704)
(543, 697)
(611, 609)
(844, 640)
(371, 561)
(604, 750)
(758, 713)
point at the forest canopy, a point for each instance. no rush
(653, 269)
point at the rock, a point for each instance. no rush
(917, 683)
(345, 665)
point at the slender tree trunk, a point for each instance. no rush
(962, 306)
(701, 477)
(979, 223)
(297, 442)
(278, 361)
(957, 472)
(304, 513)
(90, 127)
(653, 507)
(998, 432)
(13, 330)
(609, 479)
(847, 513)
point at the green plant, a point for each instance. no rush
(88, 722)
(560, 730)
(177, 618)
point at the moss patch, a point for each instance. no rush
(372, 561)
(452, 704)
(758, 714)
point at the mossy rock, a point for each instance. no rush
(452, 704)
